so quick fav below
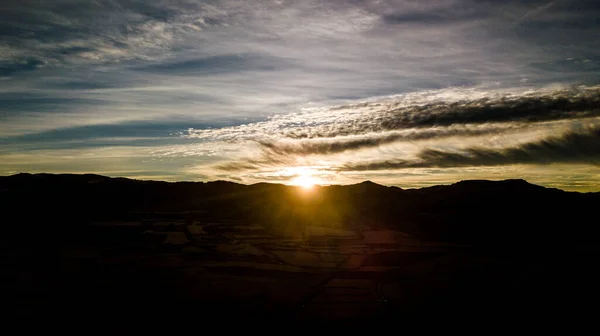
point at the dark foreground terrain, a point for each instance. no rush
(96, 249)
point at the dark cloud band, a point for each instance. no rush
(572, 103)
(573, 147)
(308, 147)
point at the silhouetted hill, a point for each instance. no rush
(225, 251)
(480, 212)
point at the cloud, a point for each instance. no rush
(266, 161)
(530, 14)
(578, 148)
(216, 65)
(321, 147)
(420, 115)
(63, 32)
(528, 108)
(140, 128)
(137, 133)
(440, 16)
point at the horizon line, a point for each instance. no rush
(293, 185)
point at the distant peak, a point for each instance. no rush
(509, 181)
(517, 181)
(222, 182)
(264, 184)
(367, 184)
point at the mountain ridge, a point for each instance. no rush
(96, 178)
(508, 216)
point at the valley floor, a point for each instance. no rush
(244, 271)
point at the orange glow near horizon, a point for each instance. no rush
(307, 182)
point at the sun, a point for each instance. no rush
(305, 181)
(304, 177)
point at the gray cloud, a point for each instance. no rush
(267, 160)
(418, 116)
(14, 104)
(439, 17)
(217, 65)
(573, 147)
(140, 133)
(542, 106)
(308, 147)
(62, 32)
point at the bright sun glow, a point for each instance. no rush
(304, 181)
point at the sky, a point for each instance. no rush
(404, 93)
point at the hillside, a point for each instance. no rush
(361, 254)
(474, 211)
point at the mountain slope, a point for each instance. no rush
(485, 213)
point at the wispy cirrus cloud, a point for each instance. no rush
(323, 53)
(580, 148)
(338, 145)
(418, 116)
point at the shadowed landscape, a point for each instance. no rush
(397, 165)
(363, 254)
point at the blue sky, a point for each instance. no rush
(409, 93)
